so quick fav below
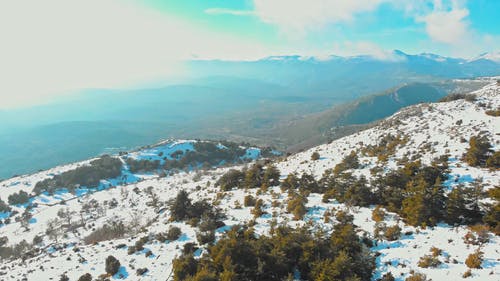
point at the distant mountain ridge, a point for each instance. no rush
(239, 100)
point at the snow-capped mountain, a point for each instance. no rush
(63, 225)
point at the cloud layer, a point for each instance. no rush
(54, 46)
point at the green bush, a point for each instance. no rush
(112, 265)
(85, 277)
(315, 156)
(173, 233)
(242, 255)
(249, 201)
(106, 167)
(19, 198)
(4, 207)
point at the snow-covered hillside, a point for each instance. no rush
(53, 248)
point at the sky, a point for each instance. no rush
(52, 47)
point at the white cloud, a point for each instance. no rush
(446, 24)
(303, 15)
(224, 11)
(349, 48)
(55, 46)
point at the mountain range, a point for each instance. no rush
(413, 197)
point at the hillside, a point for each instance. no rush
(415, 189)
(272, 101)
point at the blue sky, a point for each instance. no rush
(53, 47)
(318, 27)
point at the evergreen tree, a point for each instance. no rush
(493, 161)
(492, 216)
(455, 206)
(290, 182)
(180, 207)
(478, 152)
(271, 176)
(4, 207)
(112, 265)
(254, 176)
(233, 178)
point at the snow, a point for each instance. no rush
(434, 124)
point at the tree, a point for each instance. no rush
(257, 210)
(290, 182)
(474, 260)
(455, 206)
(315, 156)
(254, 176)
(416, 277)
(233, 178)
(296, 206)
(378, 214)
(308, 183)
(53, 230)
(492, 216)
(85, 277)
(249, 201)
(424, 203)
(479, 151)
(112, 265)
(66, 214)
(184, 267)
(26, 218)
(173, 233)
(4, 207)
(21, 197)
(271, 176)
(180, 207)
(351, 161)
(493, 161)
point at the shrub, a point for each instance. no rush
(458, 96)
(436, 251)
(205, 237)
(249, 201)
(429, 261)
(493, 161)
(179, 208)
(296, 206)
(388, 277)
(315, 156)
(141, 271)
(474, 260)
(466, 274)
(106, 167)
(85, 277)
(477, 238)
(113, 230)
(392, 233)
(19, 198)
(233, 178)
(131, 250)
(416, 277)
(478, 152)
(139, 244)
(137, 166)
(271, 176)
(112, 265)
(64, 277)
(4, 207)
(173, 233)
(257, 209)
(3, 241)
(493, 112)
(242, 255)
(378, 214)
